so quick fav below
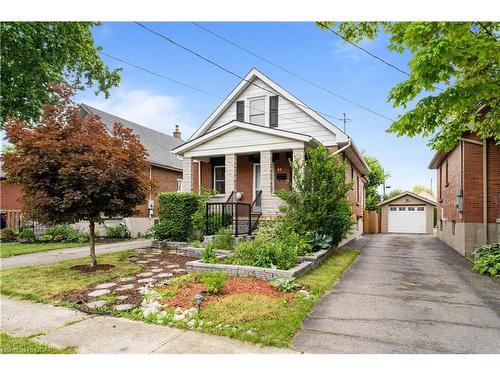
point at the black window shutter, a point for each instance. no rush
(273, 111)
(240, 111)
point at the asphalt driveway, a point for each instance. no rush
(406, 294)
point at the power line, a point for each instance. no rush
(363, 49)
(369, 53)
(244, 79)
(189, 86)
(289, 71)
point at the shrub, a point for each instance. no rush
(45, 238)
(27, 234)
(116, 231)
(487, 259)
(318, 202)
(80, 237)
(260, 252)
(175, 212)
(62, 233)
(198, 218)
(209, 254)
(214, 282)
(224, 238)
(7, 234)
(284, 284)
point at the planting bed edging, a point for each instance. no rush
(196, 252)
(306, 264)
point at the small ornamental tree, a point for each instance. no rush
(317, 203)
(376, 177)
(73, 168)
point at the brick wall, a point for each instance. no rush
(493, 182)
(10, 196)
(446, 192)
(164, 180)
(244, 180)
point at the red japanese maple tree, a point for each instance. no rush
(74, 168)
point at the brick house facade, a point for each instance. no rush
(465, 218)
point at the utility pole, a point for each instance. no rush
(345, 122)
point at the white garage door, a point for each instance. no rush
(407, 219)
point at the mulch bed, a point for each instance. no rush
(88, 269)
(234, 285)
(155, 259)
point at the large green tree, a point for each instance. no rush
(453, 75)
(376, 178)
(35, 54)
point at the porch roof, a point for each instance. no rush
(243, 137)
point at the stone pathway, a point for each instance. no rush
(61, 327)
(125, 293)
(54, 256)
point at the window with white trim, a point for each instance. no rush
(257, 111)
(411, 208)
(179, 185)
(393, 208)
(420, 208)
(220, 179)
(402, 208)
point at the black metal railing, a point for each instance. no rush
(243, 218)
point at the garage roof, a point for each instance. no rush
(407, 193)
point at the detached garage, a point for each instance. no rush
(407, 213)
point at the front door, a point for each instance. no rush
(256, 186)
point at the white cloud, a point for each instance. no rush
(159, 112)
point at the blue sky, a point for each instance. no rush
(300, 47)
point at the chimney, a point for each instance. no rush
(177, 134)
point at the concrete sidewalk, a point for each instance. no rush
(54, 256)
(61, 327)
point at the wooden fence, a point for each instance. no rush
(371, 222)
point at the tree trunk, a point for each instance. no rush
(93, 259)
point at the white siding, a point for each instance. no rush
(290, 116)
(242, 140)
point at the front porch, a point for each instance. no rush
(245, 164)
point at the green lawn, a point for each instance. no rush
(15, 248)
(25, 345)
(45, 283)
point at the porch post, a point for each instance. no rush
(187, 174)
(298, 154)
(266, 176)
(231, 173)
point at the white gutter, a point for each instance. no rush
(343, 148)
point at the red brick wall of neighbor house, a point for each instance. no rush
(10, 196)
(472, 183)
(493, 182)
(446, 194)
(164, 180)
(282, 165)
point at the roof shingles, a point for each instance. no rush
(158, 145)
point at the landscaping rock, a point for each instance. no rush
(124, 307)
(191, 323)
(96, 304)
(177, 270)
(130, 278)
(146, 280)
(143, 261)
(165, 274)
(105, 286)
(125, 287)
(99, 292)
(178, 317)
(173, 266)
(121, 298)
(145, 274)
(156, 270)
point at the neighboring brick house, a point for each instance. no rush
(243, 149)
(468, 193)
(165, 168)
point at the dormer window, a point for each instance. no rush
(257, 111)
